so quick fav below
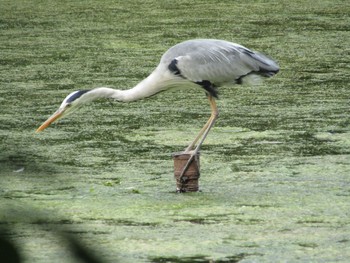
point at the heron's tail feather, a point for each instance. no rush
(267, 66)
(262, 64)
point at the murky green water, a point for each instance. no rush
(274, 170)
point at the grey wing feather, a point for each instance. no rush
(218, 61)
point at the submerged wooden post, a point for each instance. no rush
(189, 180)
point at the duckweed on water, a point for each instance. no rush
(275, 168)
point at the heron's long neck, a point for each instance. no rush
(153, 84)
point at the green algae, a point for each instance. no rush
(275, 169)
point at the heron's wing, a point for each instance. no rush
(219, 62)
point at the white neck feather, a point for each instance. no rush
(150, 86)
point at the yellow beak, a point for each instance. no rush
(50, 120)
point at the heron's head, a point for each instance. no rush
(72, 102)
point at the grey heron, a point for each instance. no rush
(203, 63)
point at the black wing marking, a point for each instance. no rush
(209, 87)
(173, 67)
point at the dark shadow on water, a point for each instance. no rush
(9, 252)
(307, 144)
(15, 157)
(124, 222)
(64, 231)
(201, 259)
(81, 252)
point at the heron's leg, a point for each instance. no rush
(205, 130)
(202, 134)
(193, 143)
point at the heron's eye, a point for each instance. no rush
(68, 105)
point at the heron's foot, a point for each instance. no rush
(191, 152)
(193, 149)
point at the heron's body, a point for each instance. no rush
(203, 63)
(216, 61)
